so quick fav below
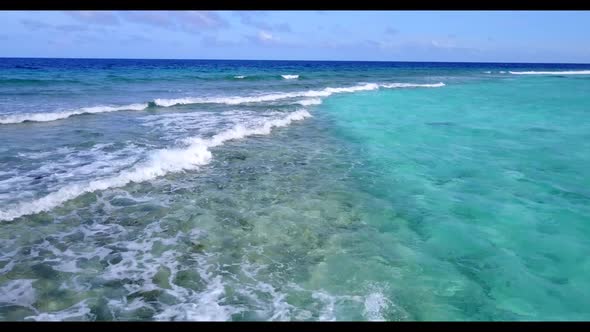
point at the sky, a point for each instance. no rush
(470, 36)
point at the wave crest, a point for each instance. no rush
(52, 116)
(568, 72)
(309, 102)
(159, 163)
(412, 85)
(278, 96)
(235, 100)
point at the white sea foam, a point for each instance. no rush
(271, 302)
(412, 85)
(309, 102)
(502, 72)
(487, 72)
(263, 98)
(239, 76)
(159, 163)
(170, 126)
(290, 77)
(328, 303)
(18, 292)
(41, 155)
(286, 95)
(52, 116)
(66, 167)
(79, 311)
(205, 307)
(140, 264)
(241, 131)
(375, 303)
(236, 100)
(568, 72)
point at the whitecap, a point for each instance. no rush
(52, 116)
(78, 311)
(412, 85)
(309, 102)
(569, 72)
(160, 162)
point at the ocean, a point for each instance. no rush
(293, 190)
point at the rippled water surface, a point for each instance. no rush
(266, 190)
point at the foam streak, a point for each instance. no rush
(160, 162)
(569, 72)
(46, 117)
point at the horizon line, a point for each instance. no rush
(385, 61)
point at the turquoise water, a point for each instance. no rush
(173, 190)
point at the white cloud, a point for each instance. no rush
(442, 43)
(201, 19)
(256, 19)
(189, 20)
(264, 36)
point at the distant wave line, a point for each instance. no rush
(233, 100)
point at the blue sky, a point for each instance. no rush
(505, 36)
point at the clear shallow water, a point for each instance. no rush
(356, 191)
